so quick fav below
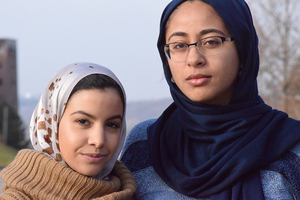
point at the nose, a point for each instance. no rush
(97, 137)
(194, 57)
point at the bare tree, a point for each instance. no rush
(278, 28)
(292, 89)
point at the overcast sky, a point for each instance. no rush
(117, 34)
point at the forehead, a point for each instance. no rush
(192, 17)
(91, 101)
(86, 93)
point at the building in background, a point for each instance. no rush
(8, 72)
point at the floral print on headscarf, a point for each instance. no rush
(48, 112)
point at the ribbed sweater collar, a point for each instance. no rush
(37, 176)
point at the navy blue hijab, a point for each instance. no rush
(217, 151)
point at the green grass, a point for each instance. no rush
(7, 155)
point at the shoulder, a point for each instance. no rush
(23, 157)
(281, 178)
(288, 163)
(27, 153)
(296, 149)
(128, 184)
(138, 133)
(135, 154)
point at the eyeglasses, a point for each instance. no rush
(209, 46)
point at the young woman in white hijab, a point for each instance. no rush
(77, 130)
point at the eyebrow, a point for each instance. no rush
(83, 113)
(177, 34)
(115, 117)
(207, 31)
(203, 32)
(91, 116)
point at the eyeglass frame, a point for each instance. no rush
(223, 39)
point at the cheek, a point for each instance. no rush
(68, 138)
(235, 62)
(61, 131)
(175, 70)
(63, 139)
(231, 65)
(113, 142)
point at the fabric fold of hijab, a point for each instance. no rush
(217, 151)
(49, 110)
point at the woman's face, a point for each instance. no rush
(205, 79)
(89, 130)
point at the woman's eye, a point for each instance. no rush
(82, 121)
(211, 43)
(179, 46)
(113, 125)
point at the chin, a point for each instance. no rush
(90, 173)
(196, 98)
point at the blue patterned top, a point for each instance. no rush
(280, 180)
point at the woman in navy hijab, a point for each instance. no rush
(218, 139)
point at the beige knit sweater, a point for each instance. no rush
(33, 175)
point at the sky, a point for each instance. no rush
(120, 35)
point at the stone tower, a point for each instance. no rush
(8, 72)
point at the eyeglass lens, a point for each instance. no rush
(207, 46)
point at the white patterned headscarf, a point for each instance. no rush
(49, 110)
